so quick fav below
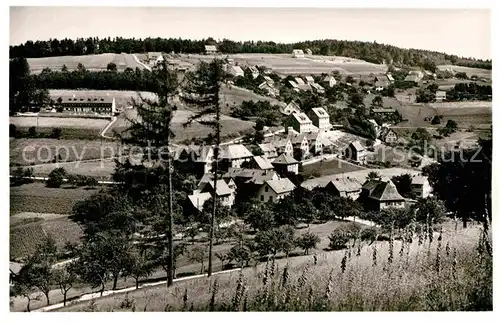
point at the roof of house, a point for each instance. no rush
(198, 199)
(260, 178)
(301, 118)
(280, 142)
(222, 187)
(210, 48)
(299, 81)
(15, 267)
(206, 178)
(297, 51)
(328, 78)
(263, 163)
(418, 180)
(317, 86)
(241, 173)
(237, 69)
(234, 151)
(85, 99)
(267, 147)
(297, 138)
(390, 77)
(309, 79)
(281, 185)
(253, 69)
(357, 145)
(268, 79)
(412, 78)
(320, 112)
(382, 190)
(384, 110)
(285, 159)
(153, 55)
(204, 153)
(293, 84)
(344, 184)
(382, 83)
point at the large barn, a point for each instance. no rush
(77, 104)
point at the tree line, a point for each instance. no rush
(369, 51)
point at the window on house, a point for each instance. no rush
(271, 198)
(261, 197)
(266, 189)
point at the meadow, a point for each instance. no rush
(96, 62)
(65, 122)
(470, 71)
(451, 272)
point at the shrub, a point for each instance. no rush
(338, 239)
(308, 241)
(32, 131)
(56, 178)
(56, 133)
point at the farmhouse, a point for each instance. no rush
(344, 187)
(269, 80)
(274, 190)
(223, 192)
(317, 142)
(298, 53)
(390, 77)
(320, 118)
(378, 195)
(232, 156)
(285, 164)
(254, 71)
(155, 58)
(291, 108)
(308, 51)
(440, 96)
(356, 152)
(317, 87)
(245, 177)
(300, 143)
(236, 71)
(300, 123)
(330, 80)
(309, 79)
(270, 151)
(420, 186)
(210, 49)
(282, 145)
(95, 105)
(387, 135)
(261, 163)
(270, 90)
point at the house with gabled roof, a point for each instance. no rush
(291, 108)
(236, 71)
(274, 190)
(270, 151)
(299, 81)
(233, 155)
(440, 95)
(379, 195)
(297, 53)
(154, 58)
(308, 51)
(320, 118)
(260, 162)
(300, 123)
(317, 87)
(387, 135)
(420, 186)
(309, 79)
(198, 199)
(285, 164)
(282, 145)
(223, 191)
(356, 152)
(344, 187)
(330, 80)
(254, 71)
(300, 143)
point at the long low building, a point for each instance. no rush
(78, 104)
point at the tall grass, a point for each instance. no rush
(423, 277)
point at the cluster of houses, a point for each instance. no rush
(298, 53)
(307, 83)
(374, 194)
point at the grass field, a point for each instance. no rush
(37, 198)
(234, 96)
(101, 169)
(42, 150)
(95, 62)
(470, 71)
(49, 122)
(29, 231)
(324, 168)
(411, 281)
(285, 64)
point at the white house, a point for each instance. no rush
(210, 49)
(330, 80)
(254, 71)
(420, 186)
(270, 151)
(317, 87)
(308, 51)
(224, 193)
(309, 79)
(274, 190)
(320, 118)
(379, 195)
(291, 108)
(300, 123)
(298, 53)
(356, 152)
(236, 71)
(344, 187)
(233, 155)
(440, 95)
(155, 58)
(286, 164)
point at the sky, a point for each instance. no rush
(464, 32)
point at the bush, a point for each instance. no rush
(436, 120)
(32, 131)
(338, 239)
(56, 133)
(56, 178)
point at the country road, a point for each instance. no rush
(139, 62)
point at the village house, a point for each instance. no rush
(198, 199)
(344, 187)
(320, 118)
(269, 89)
(285, 164)
(294, 85)
(269, 150)
(247, 179)
(379, 195)
(330, 80)
(236, 71)
(317, 88)
(223, 192)
(274, 190)
(308, 51)
(291, 108)
(309, 79)
(89, 105)
(210, 49)
(388, 136)
(420, 186)
(283, 145)
(300, 144)
(440, 95)
(254, 71)
(155, 58)
(381, 82)
(299, 81)
(356, 152)
(389, 77)
(316, 142)
(204, 158)
(297, 53)
(233, 155)
(300, 123)
(269, 80)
